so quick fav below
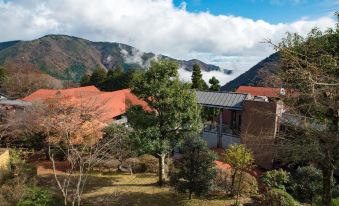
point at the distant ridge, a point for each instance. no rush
(69, 58)
(253, 76)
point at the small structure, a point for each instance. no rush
(242, 119)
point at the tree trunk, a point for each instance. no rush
(161, 171)
(327, 171)
(190, 195)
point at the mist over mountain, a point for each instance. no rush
(69, 58)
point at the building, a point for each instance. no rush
(266, 93)
(112, 105)
(242, 119)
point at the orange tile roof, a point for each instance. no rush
(110, 104)
(260, 91)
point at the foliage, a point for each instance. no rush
(241, 160)
(335, 202)
(223, 181)
(194, 171)
(29, 78)
(214, 82)
(307, 183)
(123, 145)
(98, 77)
(309, 71)
(109, 81)
(173, 111)
(277, 197)
(149, 162)
(277, 179)
(36, 196)
(197, 81)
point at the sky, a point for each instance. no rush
(227, 33)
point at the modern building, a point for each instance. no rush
(242, 119)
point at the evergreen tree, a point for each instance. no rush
(98, 77)
(173, 111)
(195, 171)
(214, 82)
(197, 81)
(85, 80)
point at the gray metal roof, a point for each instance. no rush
(224, 100)
(18, 103)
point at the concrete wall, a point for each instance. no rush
(212, 139)
(258, 130)
(4, 163)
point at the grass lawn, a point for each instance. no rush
(136, 190)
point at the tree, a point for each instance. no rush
(173, 111)
(20, 82)
(85, 80)
(98, 77)
(309, 70)
(197, 81)
(241, 161)
(74, 129)
(215, 86)
(195, 170)
(211, 113)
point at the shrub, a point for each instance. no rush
(278, 197)
(195, 171)
(276, 179)
(307, 183)
(335, 192)
(36, 196)
(335, 202)
(149, 162)
(133, 165)
(248, 185)
(108, 164)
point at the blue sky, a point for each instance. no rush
(272, 11)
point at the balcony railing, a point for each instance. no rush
(225, 129)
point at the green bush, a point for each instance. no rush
(276, 179)
(278, 197)
(335, 192)
(335, 202)
(307, 183)
(150, 163)
(36, 196)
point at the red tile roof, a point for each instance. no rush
(260, 91)
(110, 104)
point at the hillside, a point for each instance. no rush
(69, 58)
(254, 76)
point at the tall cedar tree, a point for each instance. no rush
(197, 81)
(173, 111)
(310, 71)
(195, 170)
(98, 77)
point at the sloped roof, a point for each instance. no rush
(259, 91)
(225, 100)
(110, 104)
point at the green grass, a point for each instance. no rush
(137, 190)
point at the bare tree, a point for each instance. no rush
(75, 130)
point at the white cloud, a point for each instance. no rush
(151, 25)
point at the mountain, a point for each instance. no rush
(69, 58)
(254, 76)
